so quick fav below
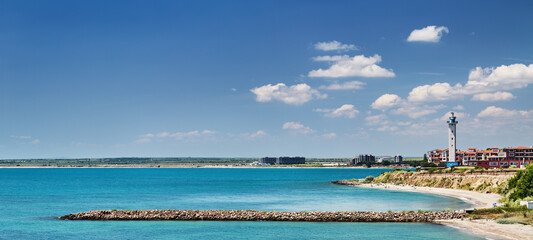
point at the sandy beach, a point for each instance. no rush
(484, 228)
(490, 229)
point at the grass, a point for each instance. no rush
(505, 215)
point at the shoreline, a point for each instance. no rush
(490, 229)
(477, 199)
(483, 227)
(200, 166)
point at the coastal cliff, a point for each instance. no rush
(489, 182)
(253, 215)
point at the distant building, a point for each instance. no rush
(383, 159)
(290, 160)
(493, 157)
(282, 160)
(268, 160)
(398, 159)
(363, 158)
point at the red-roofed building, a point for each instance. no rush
(490, 158)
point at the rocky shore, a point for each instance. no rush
(346, 182)
(253, 215)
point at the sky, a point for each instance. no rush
(262, 78)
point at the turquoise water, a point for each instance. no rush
(32, 199)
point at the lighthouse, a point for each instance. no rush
(452, 123)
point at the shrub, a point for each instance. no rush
(522, 183)
(506, 221)
(369, 179)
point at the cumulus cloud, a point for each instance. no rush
(296, 127)
(435, 92)
(334, 46)
(404, 107)
(346, 110)
(352, 85)
(496, 112)
(357, 66)
(481, 82)
(427, 34)
(504, 77)
(386, 101)
(294, 95)
(493, 97)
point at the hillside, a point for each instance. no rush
(492, 182)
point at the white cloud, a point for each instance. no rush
(433, 126)
(357, 66)
(297, 127)
(352, 85)
(295, 95)
(346, 110)
(496, 112)
(386, 101)
(35, 141)
(329, 135)
(415, 110)
(161, 134)
(335, 58)
(259, 133)
(435, 92)
(504, 77)
(493, 97)
(427, 34)
(480, 82)
(374, 120)
(334, 46)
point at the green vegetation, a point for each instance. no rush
(521, 185)
(505, 215)
(368, 179)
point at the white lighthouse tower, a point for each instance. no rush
(451, 141)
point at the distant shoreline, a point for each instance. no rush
(200, 166)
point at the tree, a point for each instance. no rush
(522, 182)
(425, 157)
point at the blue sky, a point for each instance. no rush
(258, 78)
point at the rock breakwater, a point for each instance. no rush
(253, 215)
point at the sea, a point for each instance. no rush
(32, 199)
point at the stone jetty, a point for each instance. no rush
(253, 215)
